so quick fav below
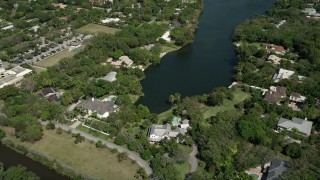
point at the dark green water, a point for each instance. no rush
(208, 62)
(11, 158)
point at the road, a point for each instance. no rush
(132, 155)
(193, 161)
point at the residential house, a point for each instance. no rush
(276, 169)
(295, 100)
(110, 20)
(158, 132)
(309, 11)
(123, 60)
(283, 74)
(12, 76)
(296, 97)
(275, 94)
(126, 60)
(303, 126)
(50, 94)
(59, 5)
(111, 76)
(182, 125)
(276, 49)
(102, 108)
(274, 59)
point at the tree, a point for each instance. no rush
(120, 140)
(2, 134)
(99, 144)
(50, 126)
(19, 172)
(293, 150)
(141, 173)
(122, 156)
(175, 98)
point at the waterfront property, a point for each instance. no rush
(158, 132)
(101, 108)
(302, 126)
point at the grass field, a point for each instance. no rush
(133, 98)
(169, 49)
(84, 157)
(209, 111)
(94, 133)
(95, 28)
(38, 69)
(53, 60)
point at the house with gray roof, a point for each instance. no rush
(276, 169)
(102, 108)
(158, 132)
(303, 126)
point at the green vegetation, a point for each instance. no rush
(17, 172)
(209, 111)
(19, 108)
(95, 29)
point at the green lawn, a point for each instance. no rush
(209, 111)
(95, 29)
(133, 98)
(53, 60)
(163, 116)
(84, 157)
(169, 48)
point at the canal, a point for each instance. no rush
(11, 158)
(208, 62)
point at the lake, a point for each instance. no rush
(208, 62)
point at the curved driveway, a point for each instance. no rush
(132, 155)
(193, 161)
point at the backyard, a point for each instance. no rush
(95, 29)
(209, 111)
(84, 157)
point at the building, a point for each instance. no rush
(110, 20)
(126, 60)
(50, 94)
(123, 60)
(158, 132)
(309, 11)
(102, 108)
(274, 59)
(296, 97)
(111, 76)
(276, 49)
(276, 169)
(283, 74)
(303, 126)
(275, 94)
(12, 76)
